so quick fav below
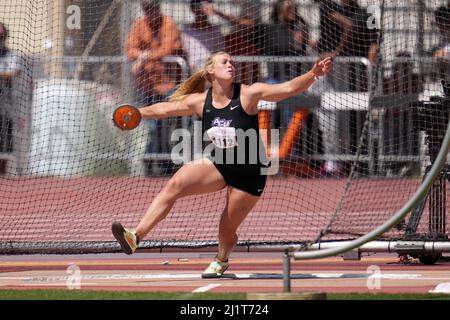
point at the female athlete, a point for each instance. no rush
(227, 109)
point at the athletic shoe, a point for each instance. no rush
(215, 269)
(126, 238)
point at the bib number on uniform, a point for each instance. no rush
(223, 137)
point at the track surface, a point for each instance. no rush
(248, 272)
(54, 209)
(290, 210)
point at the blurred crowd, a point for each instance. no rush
(344, 31)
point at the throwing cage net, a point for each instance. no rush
(346, 154)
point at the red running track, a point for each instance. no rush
(247, 273)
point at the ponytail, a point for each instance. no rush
(194, 84)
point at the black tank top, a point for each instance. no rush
(234, 134)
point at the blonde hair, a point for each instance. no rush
(197, 82)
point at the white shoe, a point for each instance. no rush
(126, 238)
(215, 269)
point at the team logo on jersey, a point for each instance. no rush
(219, 122)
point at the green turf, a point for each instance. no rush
(109, 295)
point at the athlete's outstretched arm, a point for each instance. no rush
(281, 91)
(185, 107)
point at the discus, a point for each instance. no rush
(126, 117)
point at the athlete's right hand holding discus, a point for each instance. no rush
(226, 107)
(126, 117)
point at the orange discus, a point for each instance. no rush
(126, 117)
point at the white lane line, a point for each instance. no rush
(207, 287)
(441, 288)
(109, 277)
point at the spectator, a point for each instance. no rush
(403, 79)
(442, 18)
(151, 38)
(200, 38)
(442, 50)
(241, 40)
(10, 69)
(397, 122)
(335, 29)
(363, 40)
(343, 32)
(290, 26)
(287, 35)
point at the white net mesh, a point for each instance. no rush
(352, 149)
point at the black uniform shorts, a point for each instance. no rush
(246, 178)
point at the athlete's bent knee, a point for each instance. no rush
(174, 188)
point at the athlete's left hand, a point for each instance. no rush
(322, 67)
